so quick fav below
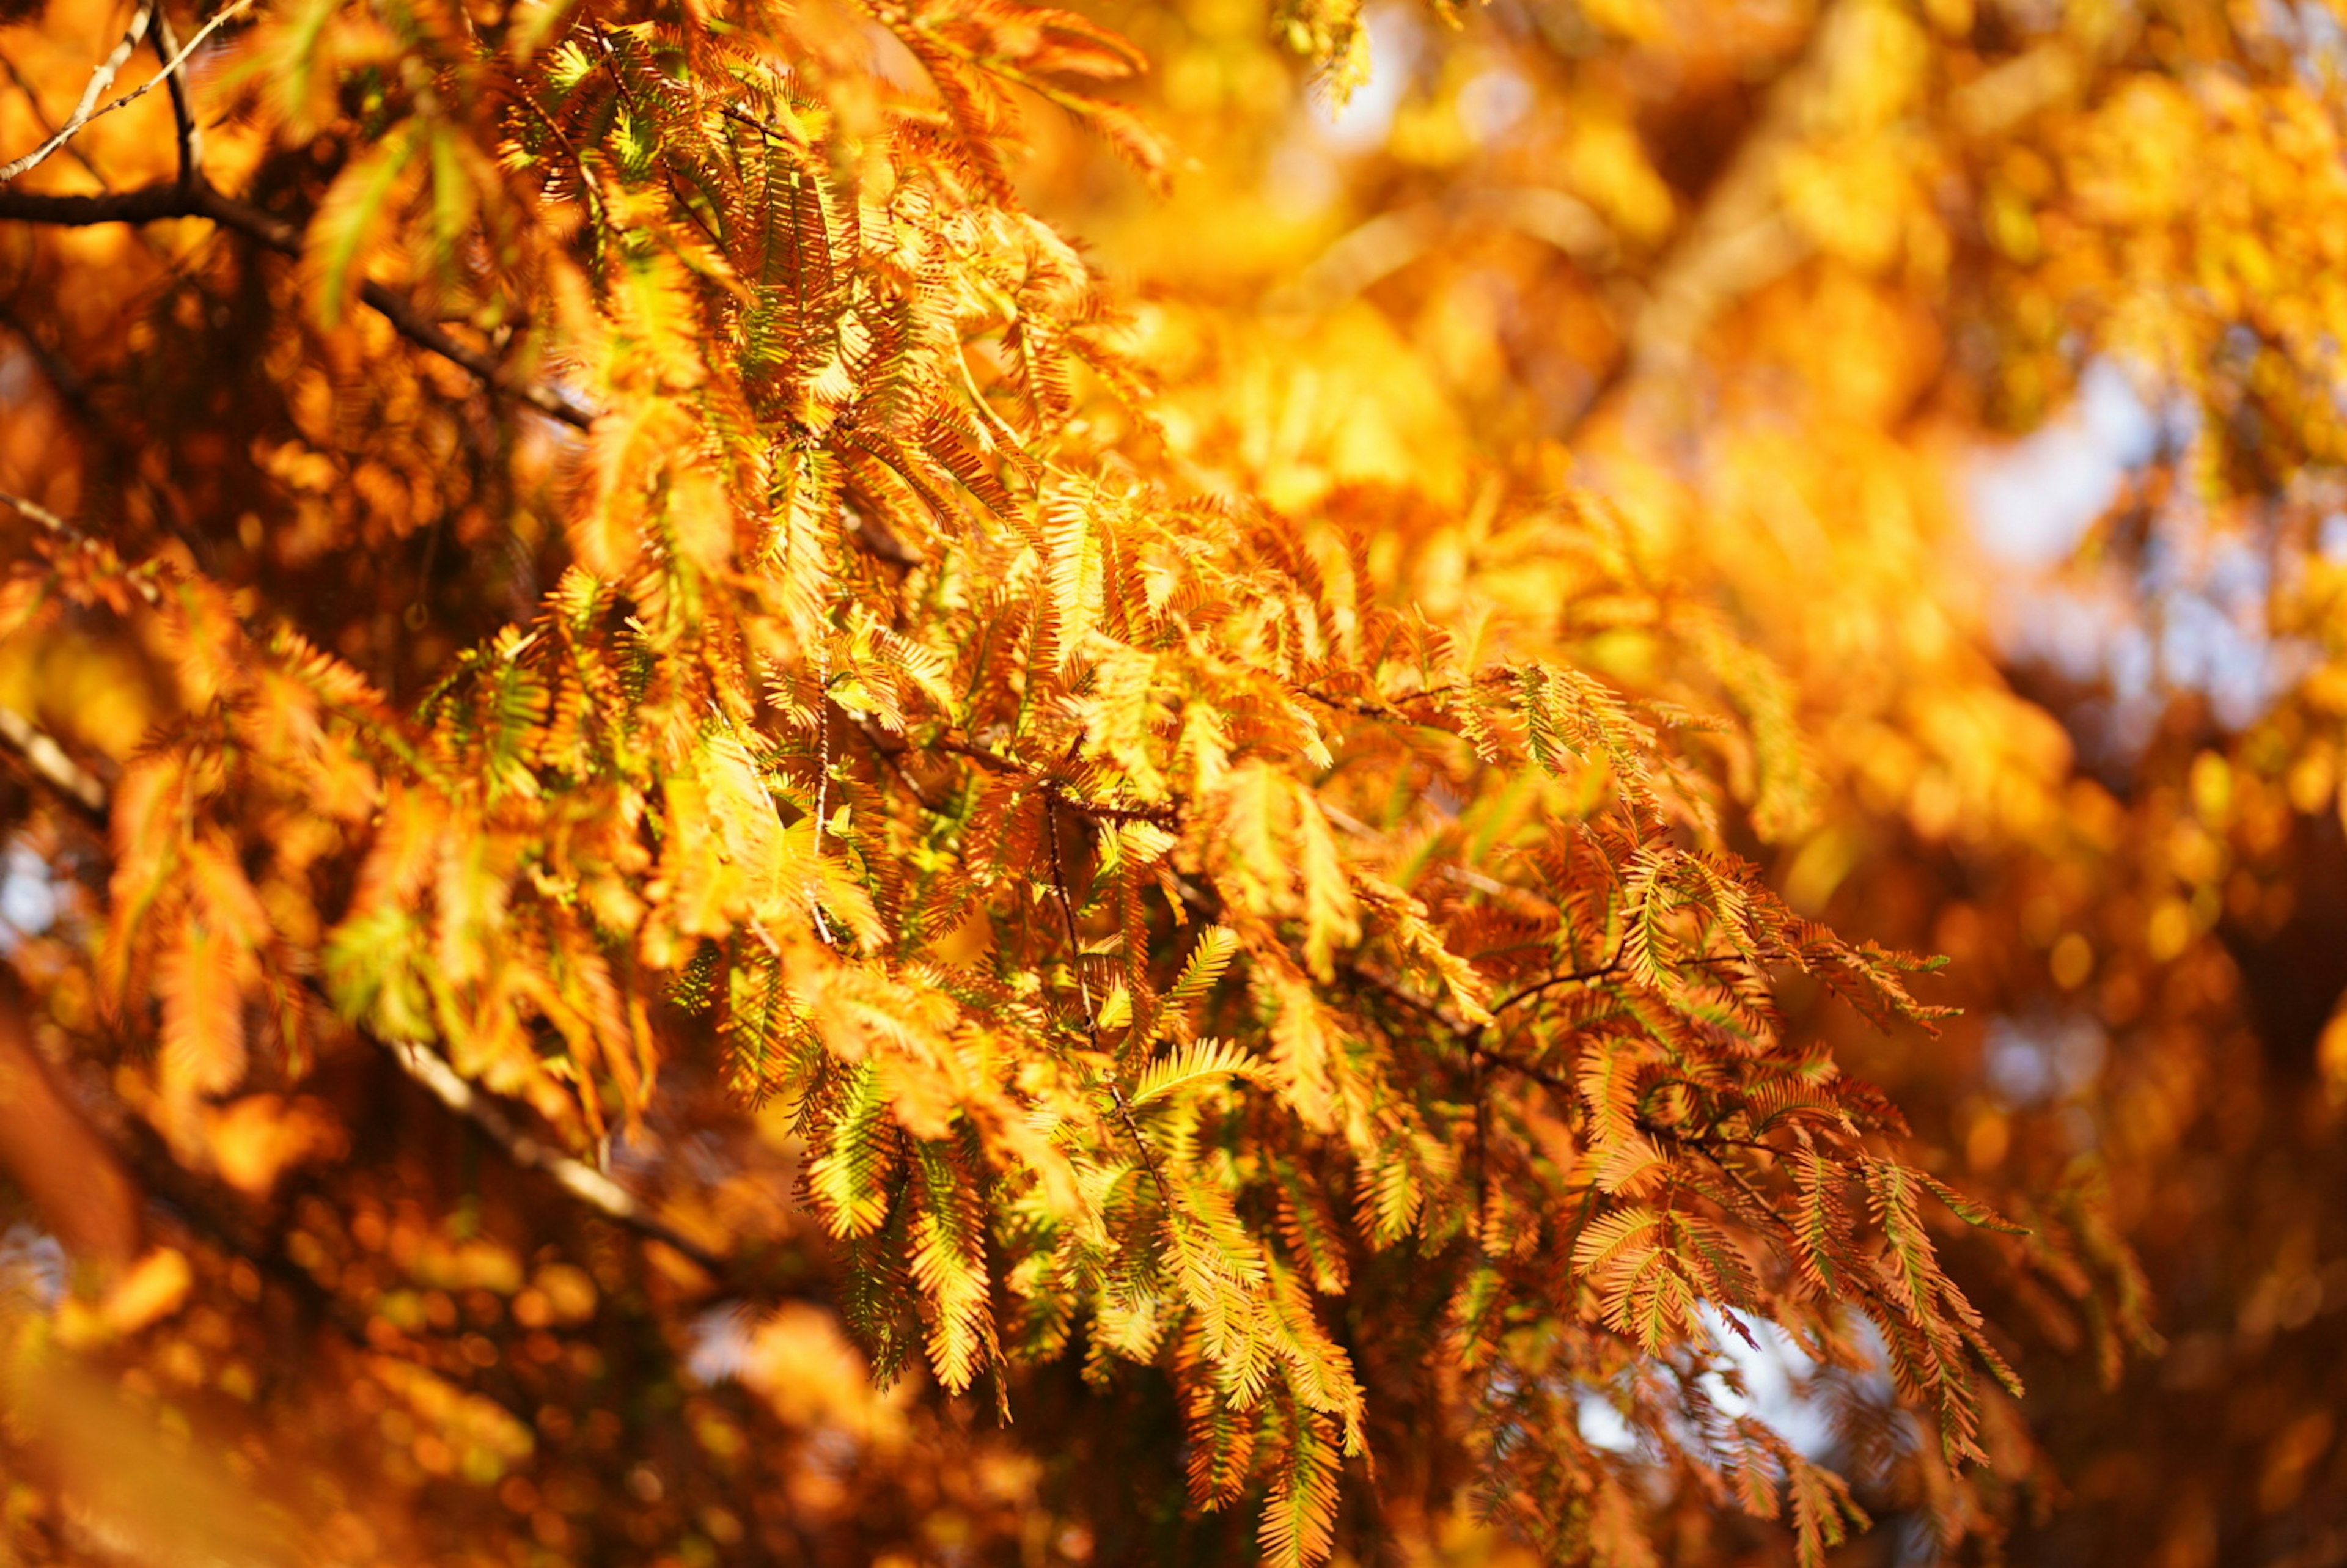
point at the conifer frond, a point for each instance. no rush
(949, 1261)
(1301, 1507)
(1196, 1063)
(848, 1176)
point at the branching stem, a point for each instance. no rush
(171, 199)
(87, 110)
(1091, 1014)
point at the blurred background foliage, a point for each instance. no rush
(1981, 363)
(1977, 363)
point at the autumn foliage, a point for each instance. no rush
(851, 782)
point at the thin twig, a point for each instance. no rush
(184, 112)
(893, 756)
(58, 527)
(576, 1177)
(170, 75)
(1165, 817)
(169, 199)
(1380, 706)
(41, 119)
(73, 389)
(85, 110)
(1091, 1014)
(1792, 1236)
(1575, 977)
(46, 518)
(50, 765)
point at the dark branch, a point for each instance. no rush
(1516, 1064)
(1165, 817)
(183, 113)
(171, 199)
(1577, 977)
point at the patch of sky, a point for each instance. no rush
(2312, 31)
(1775, 1375)
(1603, 1426)
(1361, 121)
(721, 1344)
(2331, 539)
(2033, 501)
(28, 896)
(34, 1262)
(2186, 613)
(1772, 1381)
(2033, 1059)
(1303, 173)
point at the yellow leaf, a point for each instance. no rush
(254, 1140)
(152, 1290)
(700, 514)
(203, 1014)
(1331, 917)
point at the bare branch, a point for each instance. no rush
(49, 763)
(41, 118)
(578, 1178)
(100, 80)
(47, 520)
(183, 113)
(103, 77)
(171, 199)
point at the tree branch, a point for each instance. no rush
(183, 113)
(576, 1177)
(49, 763)
(57, 526)
(87, 110)
(1165, 817)
(41, 118)
(1575, 978)
(169, 74)
(73, 389)
(166, 200)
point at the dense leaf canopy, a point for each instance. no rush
(949, 782)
